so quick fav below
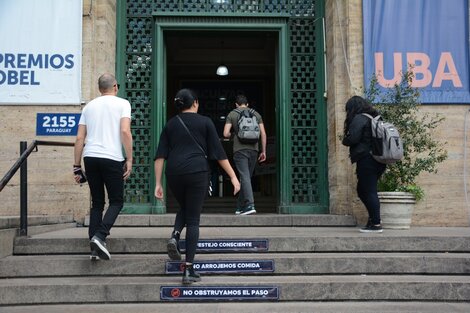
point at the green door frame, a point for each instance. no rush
(228, 22)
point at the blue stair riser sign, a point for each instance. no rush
(219, 293)
(224, 267)
(229, 245)
(57, 124)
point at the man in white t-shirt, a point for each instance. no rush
(104, 129)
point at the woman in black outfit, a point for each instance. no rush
(358, 136)
(187, 172)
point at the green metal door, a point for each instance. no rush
(300, 106)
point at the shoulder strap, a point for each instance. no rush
(378, 117)
(194, 139)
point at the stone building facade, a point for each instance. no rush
(52, 190)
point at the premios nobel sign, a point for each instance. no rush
(40, 54)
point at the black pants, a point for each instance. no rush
(368, 172)
(190, 191)
(104, 173)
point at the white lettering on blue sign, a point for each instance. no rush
(57, 124)
(220, 266)
(177, 293)
(230, 245)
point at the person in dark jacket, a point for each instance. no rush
(358, 137)
(187, 149)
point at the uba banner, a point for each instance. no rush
(40, 51)
(431, 36)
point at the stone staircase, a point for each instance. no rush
(290, 259)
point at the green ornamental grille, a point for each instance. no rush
(304, 132)
(305, 94)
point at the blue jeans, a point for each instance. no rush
(104, 173)
(245, 162)
(368, 172)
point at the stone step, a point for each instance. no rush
(283, 264)
(34, 220)
(253, 307)
(232, 220)
(146, 240)
(131, 289)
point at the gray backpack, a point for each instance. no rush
(387, 146)
(248, 127)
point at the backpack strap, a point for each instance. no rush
(378, 117)
(239, 111)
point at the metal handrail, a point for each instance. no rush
(21, 164)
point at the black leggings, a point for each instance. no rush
(190, 191)
(368, 172)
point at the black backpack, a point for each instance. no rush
(248, 127)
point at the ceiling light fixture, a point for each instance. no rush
(222, 69)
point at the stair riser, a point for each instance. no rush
(230, 220)
(24, 246)
(315, 291)
(154, 266)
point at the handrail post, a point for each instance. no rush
(23, 192)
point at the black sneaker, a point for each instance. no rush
(190, 276)
(173, 249)
(372, 229)
(248, 210)
(98, 245)
(94, 256)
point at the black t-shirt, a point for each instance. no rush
(179, 149)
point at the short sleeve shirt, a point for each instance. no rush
(102, 118)
(181, 152)
(232, 118)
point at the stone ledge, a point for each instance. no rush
(34, 220)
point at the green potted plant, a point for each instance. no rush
(422, 151)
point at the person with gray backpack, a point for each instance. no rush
(249, 146)
(359, 137)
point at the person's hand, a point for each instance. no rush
(236, 184)
(78, 174)
(262, 157)
(159, 192)
(127, 169)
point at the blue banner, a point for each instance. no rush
(432, 36)
(229, 245)
(226, 293)
(233, 267)
(57, 124)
